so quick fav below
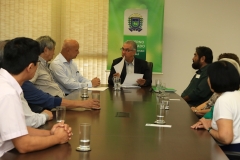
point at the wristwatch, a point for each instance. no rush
(209, 129)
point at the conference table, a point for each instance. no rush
(118, 131)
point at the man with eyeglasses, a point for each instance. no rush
(19, 64)
(131, 65)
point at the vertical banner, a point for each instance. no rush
(140, 21)
(135, 28)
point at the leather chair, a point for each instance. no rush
(150, 65)
(232, 155)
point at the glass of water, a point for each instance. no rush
(84, 137)
(160, 111)
(157, 84)
(117, 83)
(60, 113)
(162, 89)
(165, 101)
(84, 90)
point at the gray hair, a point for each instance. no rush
(134, 45)
(2, 44)
(46, 41)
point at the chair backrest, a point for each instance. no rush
(150, 65)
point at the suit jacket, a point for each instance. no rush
(140, 66)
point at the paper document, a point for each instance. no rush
(166, 89)
(158, 125)
(128, 87)
(131, 79)
(118, 67)
(174, 99)
(97, 88)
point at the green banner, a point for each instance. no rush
(138, 20)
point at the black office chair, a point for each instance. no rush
(232, 155)
(150, 65)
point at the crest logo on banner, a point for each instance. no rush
(135, 22)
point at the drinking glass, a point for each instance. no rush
(96, 95)
(84, 90)
(162, 89)
(165, 101)
(117, 83)
(84, 137)
(157, 84)
(160, 111)
(60, 113)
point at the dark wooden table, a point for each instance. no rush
(118, 131)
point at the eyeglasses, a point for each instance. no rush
(126, 50)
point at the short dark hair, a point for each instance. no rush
(230, 56)
(223, 77)
(19, 53)
(205, 51)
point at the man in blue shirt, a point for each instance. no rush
(39, 100)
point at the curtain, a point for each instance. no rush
(84, 21)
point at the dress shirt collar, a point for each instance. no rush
(130, 63)
(63, 59)
(202, 69)
(43, 62)
(12, 81)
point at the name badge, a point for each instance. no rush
(197, 75)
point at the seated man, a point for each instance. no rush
(65, 71)
(43, 79)
(198, 90)
(39, 100)
(19, 64)
(131, 65)
(32, 119)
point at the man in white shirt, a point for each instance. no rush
(65, 71)
(19, 64)
(32, 119)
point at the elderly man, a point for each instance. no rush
(198, 90)
(43, 79)
(131, 65)
(19, 64)
(36, 95)
(65, 71)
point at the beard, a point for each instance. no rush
(196, 65)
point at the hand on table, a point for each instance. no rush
(65, 127)
(49, 113)
(96, 82)
(197, 125)
(91, 103)
(206, 123)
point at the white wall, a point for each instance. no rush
(192, 23)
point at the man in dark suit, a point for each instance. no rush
(131, 65)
